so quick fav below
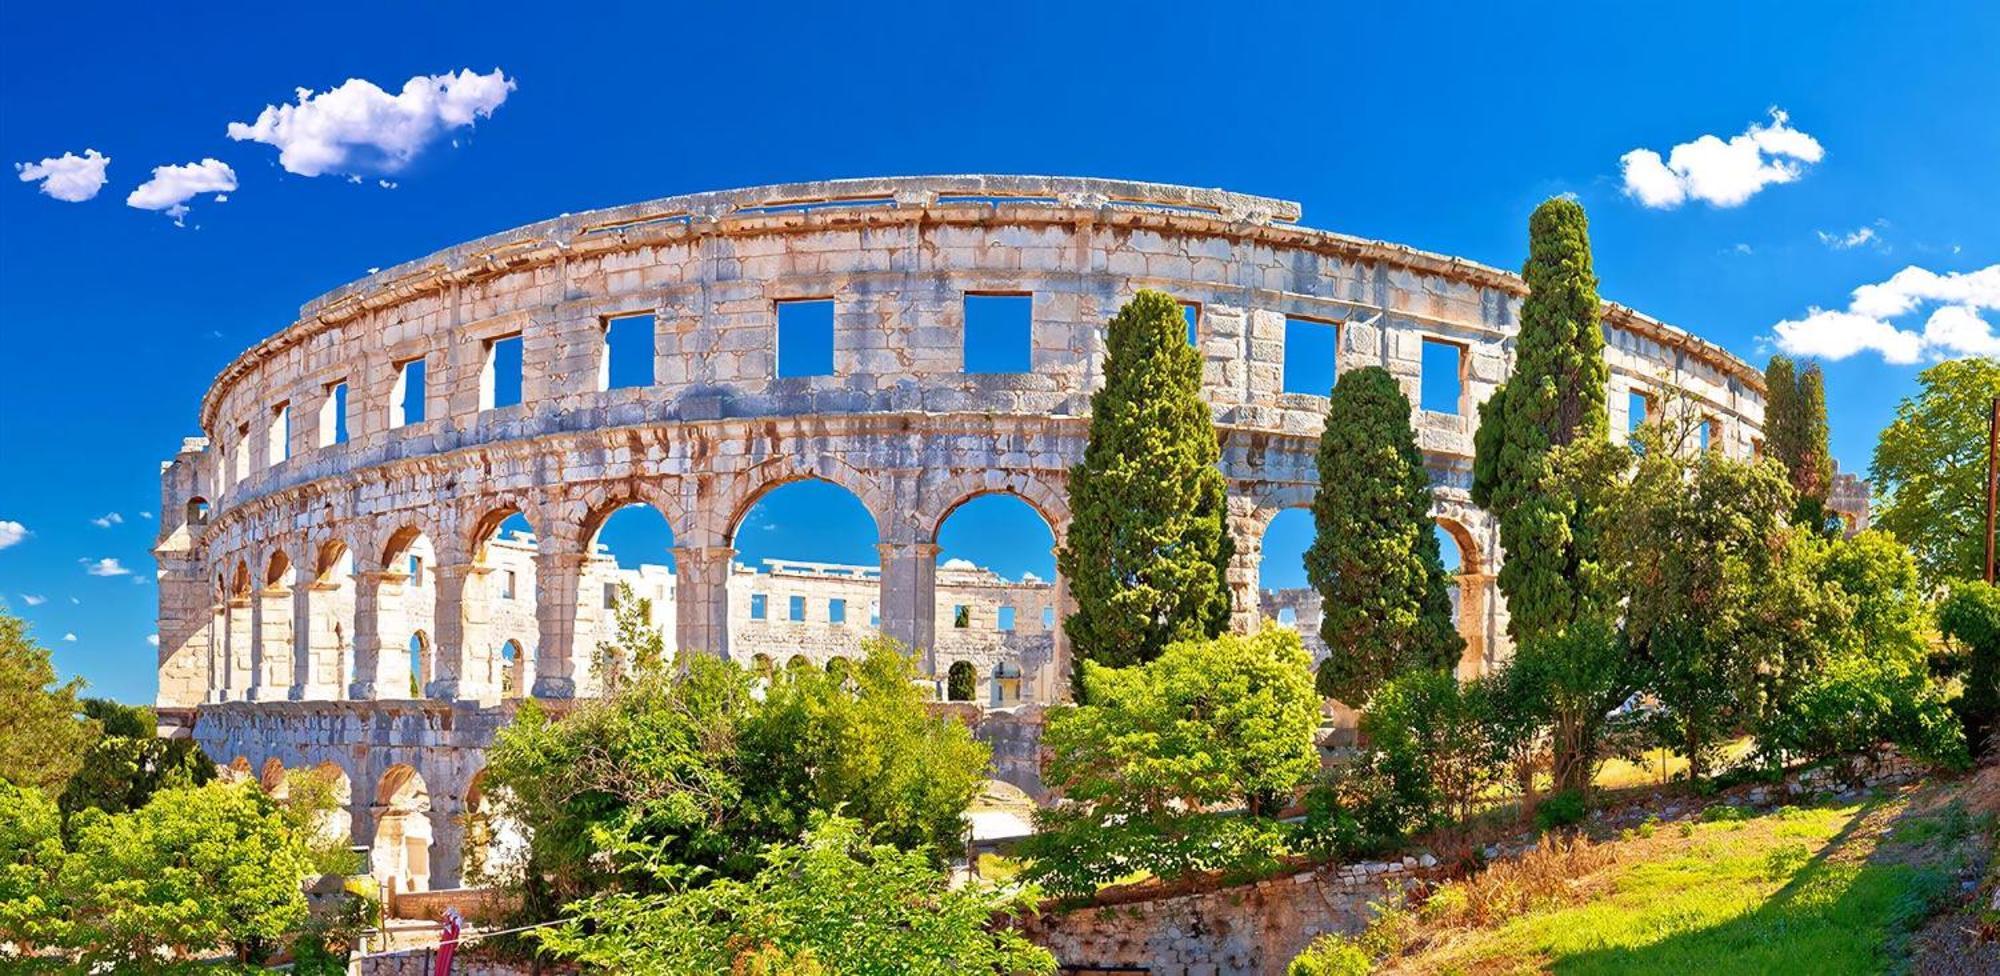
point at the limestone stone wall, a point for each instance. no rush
(334, 535)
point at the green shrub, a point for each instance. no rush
(1329, 955)
(1723, 812)
(1560, 809)
(1783, 860)
(1970, 616)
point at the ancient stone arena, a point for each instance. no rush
(337, 590)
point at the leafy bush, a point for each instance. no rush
(1330, 955)
(1724, 813)
(1970, 616)
(1160, 747)
(1432, 743)
(1560, 809)
(1783, 860)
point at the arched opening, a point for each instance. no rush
(498, 610)
(329, 664)
(798, 661)
(197, 511)
(629, 572)
(1284, 596)
(272, 778)
(238, 771)
(1471, 594)
(761, 664)
(400, 856)
(839, 668)
(336, 824)
(422, 664)
(496, 842)
(407, 604)
(1006, 684)
(997, 602)
(807, 574)
(961, 682)
(274, 671)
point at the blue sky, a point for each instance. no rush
(1438, 128)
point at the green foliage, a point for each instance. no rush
(1432, 742)
(41, 738)
(1554, 397)
(1795, 433)
(685, 770)
(194, 870)
(960, 684)
(1374, 556)
(1209, 723)
(636, 645)
(1560, 809)
(32, 909)
(1330, 955)
(1970, 615)
(128, 763)
(1147, 550)
(1577, 675)
(833, 903)
(1930, 466)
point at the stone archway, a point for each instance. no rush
(400, 852)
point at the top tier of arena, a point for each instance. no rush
(693, 352)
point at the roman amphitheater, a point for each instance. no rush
(388, 532)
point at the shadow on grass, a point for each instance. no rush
(1833, 915)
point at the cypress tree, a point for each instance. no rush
(1147, 551)
(1795, 433)
(1554, 397)
(1374, 556)
(1782, 433)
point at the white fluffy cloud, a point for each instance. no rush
(173, 186)
(359, 128)
(70, 638)
(107, 520)
(68, 177)
(153, 639)
(108, 566)
(11, 533)
(32, 600)
(1850, 240)
(1956, 327)
(956, 563)
(1718, 172)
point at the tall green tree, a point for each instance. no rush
(1930, 468)
(41, 738)
(1374, 556)
(1554, 397)
(1795, 433)
(129, 762)
(1148, 550)
(1970, 616)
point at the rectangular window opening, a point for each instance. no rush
(406, 401)
(610, 596)
(1191, 314)
(1443, 389)
(242, 452)
(1710, 436)
(507, 585)
(836, 611)
(758, 607)
(805, 337)
(874, 614)
(333, 415)
(1048, 618)
(500, 378)
(1004, 620)
(278, 445)
(797, 608)
(1312, 356)
(1638, 410)
(999, 333)
(961, 616)
(628, 352)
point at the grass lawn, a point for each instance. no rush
(1835, 889)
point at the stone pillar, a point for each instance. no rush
(447, 841)
(1242, 574)
(464, 634)
(378, 615)
(909, 598)
(237, 663)
(272, 677)
(1051, 683)
(218, 654)
(1474, 590)
(701, 608)
(558, 573)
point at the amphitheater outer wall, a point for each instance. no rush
(257, 511)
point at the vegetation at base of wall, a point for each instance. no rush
(41, 740)
(1147, 553)
(689, 769)
(1374, 555)
(1162, 749)
(1930, 469)
(1970, 618)
(129, 762)
(830, 903)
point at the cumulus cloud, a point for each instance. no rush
(70, 637)
(11, 533)
(358, 128)
(1955, 327)
(1723, 173)
(32, 600)
(68, 177)
(108, 520)
(108, 566)
(1852, 239)
(173, 186)
(956, 563)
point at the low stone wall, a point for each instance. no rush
(1237, 930)
(476, 905)
(423, 962)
